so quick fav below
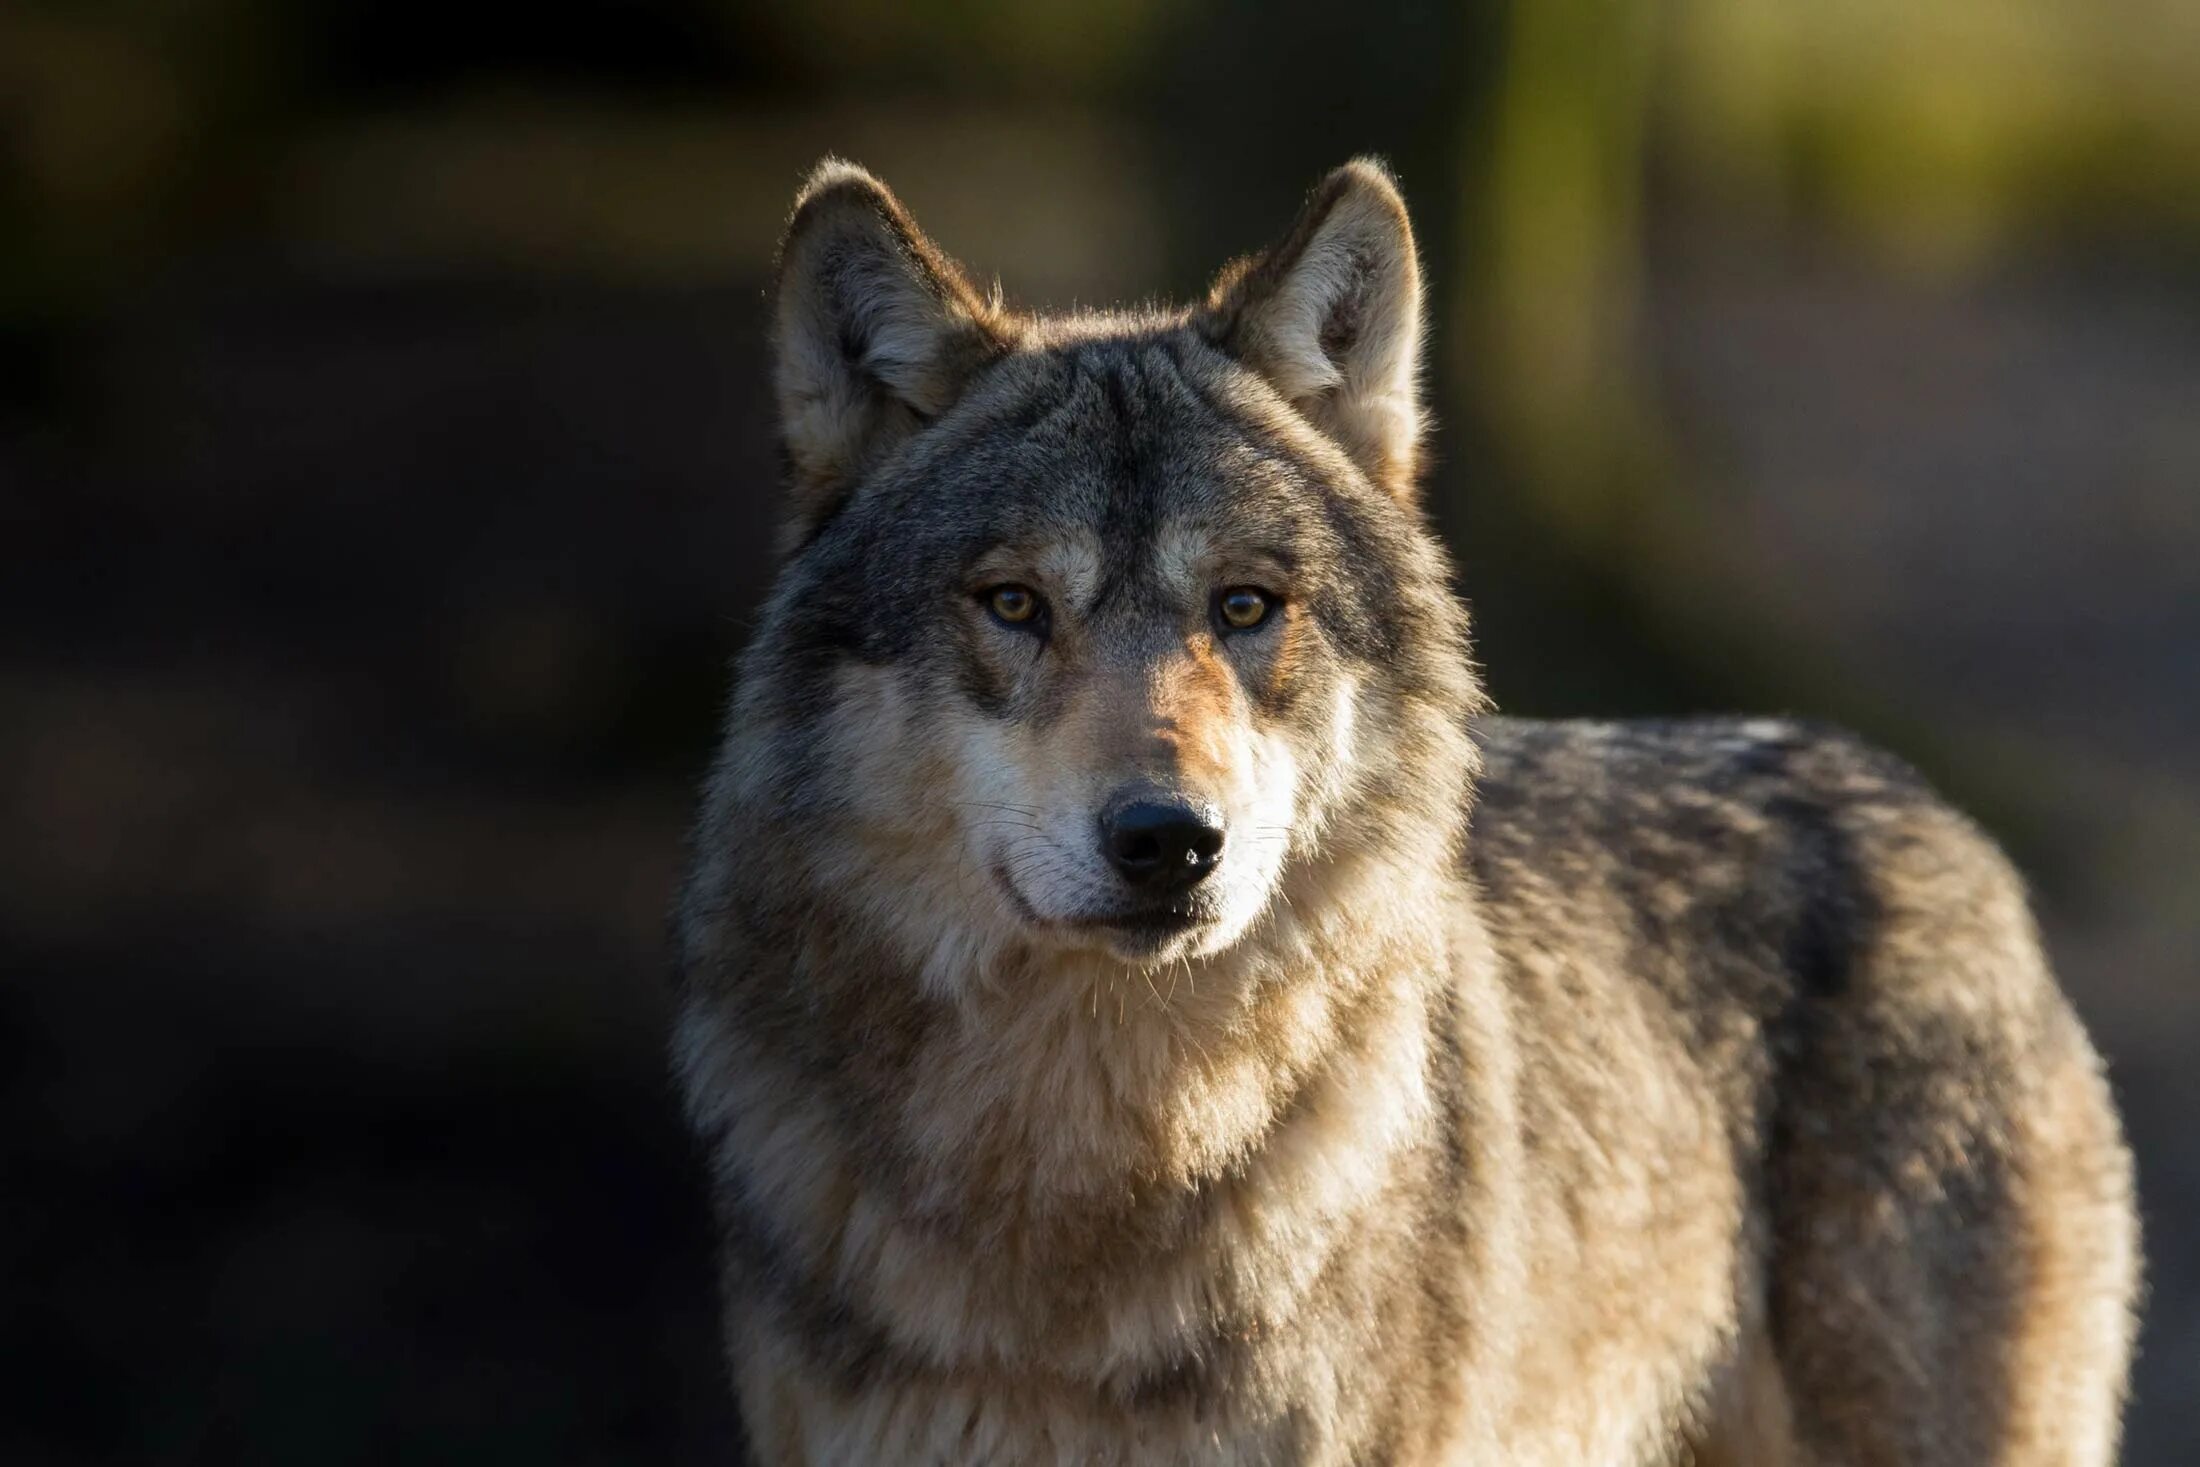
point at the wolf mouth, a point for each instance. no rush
(1153, 924)
(1150, 922)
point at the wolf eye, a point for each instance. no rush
(1244, 607)
(1012, 605)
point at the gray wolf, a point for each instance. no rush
(1138, 1006)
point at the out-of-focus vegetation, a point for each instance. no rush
(1936, 147)
(384, 451)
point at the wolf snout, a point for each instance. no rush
(1160, 843)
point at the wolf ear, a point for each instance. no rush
(1331, 316)
(875, 332)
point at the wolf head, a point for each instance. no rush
(1093, 634)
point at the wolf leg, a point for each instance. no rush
(1954, 1261)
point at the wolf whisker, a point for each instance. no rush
(999, 805)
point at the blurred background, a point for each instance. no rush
(386, 472)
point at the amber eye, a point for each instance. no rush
(1244, 607)
(1012, 605)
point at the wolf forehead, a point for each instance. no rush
(1121, 469)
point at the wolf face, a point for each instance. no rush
(1091, 628)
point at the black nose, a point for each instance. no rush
(1160, 844)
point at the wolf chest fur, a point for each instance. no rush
(1138, 1006)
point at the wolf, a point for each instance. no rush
(1138, 1005)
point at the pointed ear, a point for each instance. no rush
(1331, 316)
(875, 332)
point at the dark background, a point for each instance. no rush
(385, 471)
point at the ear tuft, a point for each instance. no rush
(1331, 316)
(876, 332)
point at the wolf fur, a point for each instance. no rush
(1531, 1093)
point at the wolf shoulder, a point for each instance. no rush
(1734, 849)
